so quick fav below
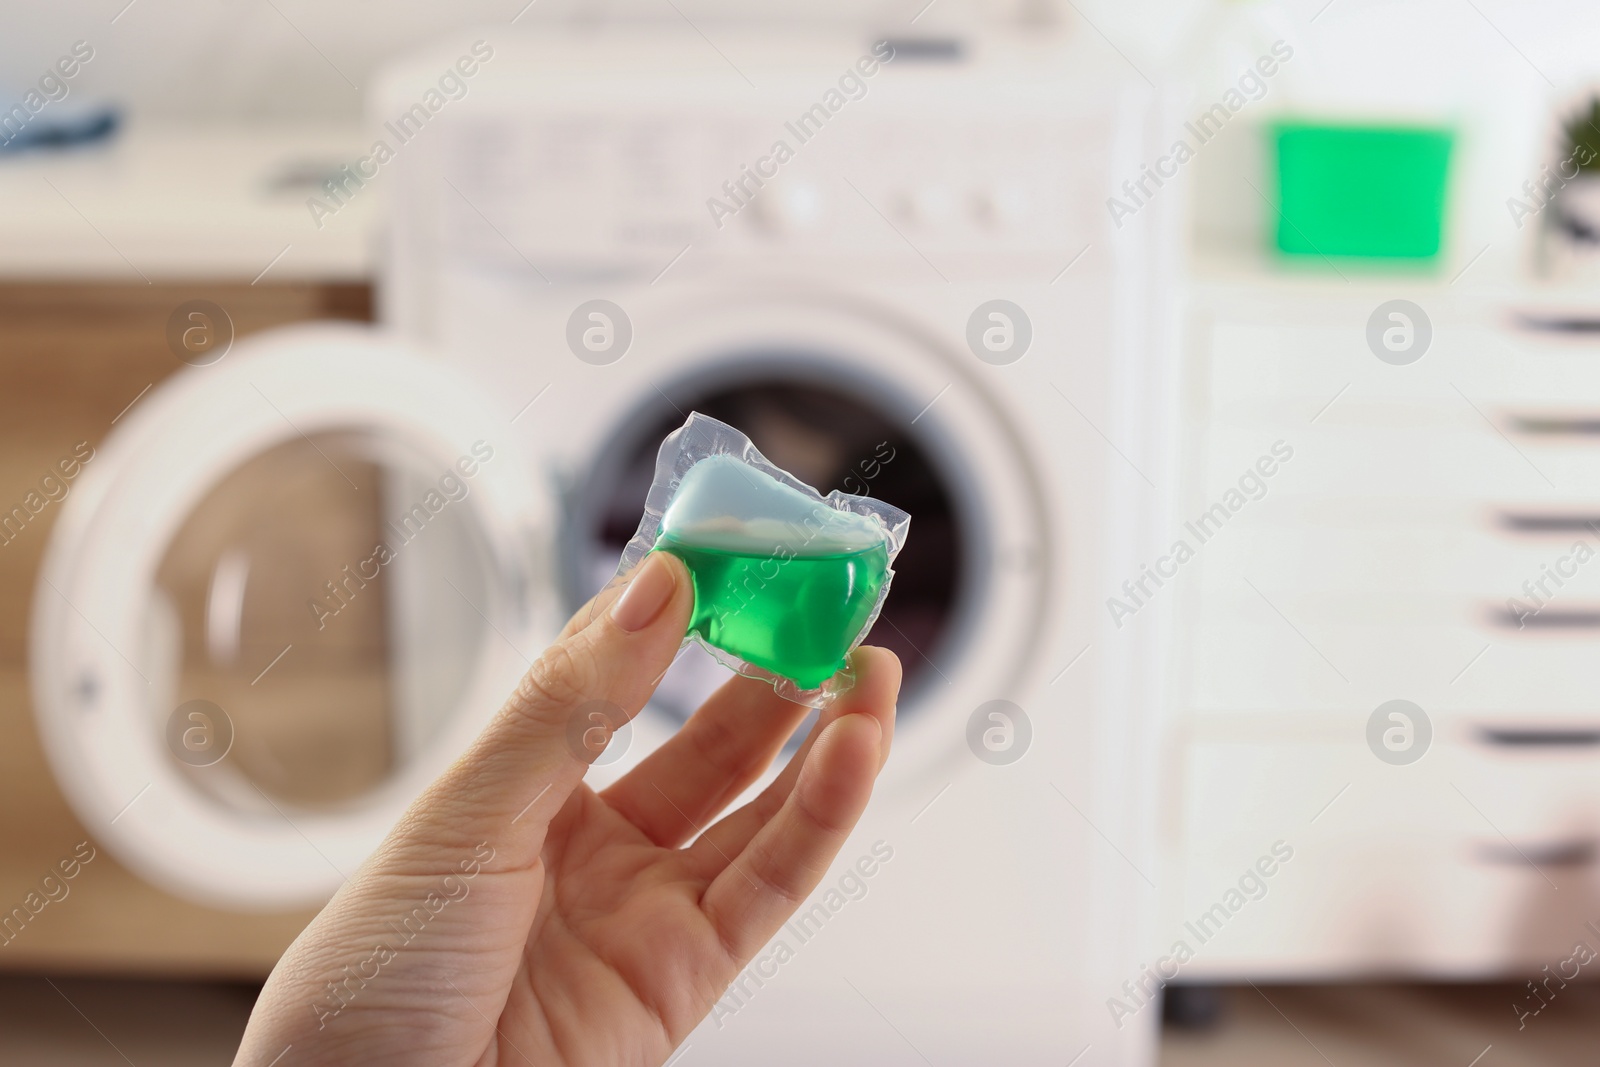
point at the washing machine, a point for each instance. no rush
(298, 579)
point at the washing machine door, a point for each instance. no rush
(283, 594)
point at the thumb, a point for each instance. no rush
(534, 753)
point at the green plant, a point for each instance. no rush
(1582, 132)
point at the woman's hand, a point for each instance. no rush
(514, 915)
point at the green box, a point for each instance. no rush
(1357, 190)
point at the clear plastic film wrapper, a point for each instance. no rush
(786, 581)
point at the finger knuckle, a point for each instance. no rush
(822, 818)
(776, 878)
(558, 681)
(717, 743)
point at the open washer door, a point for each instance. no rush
(285, 593)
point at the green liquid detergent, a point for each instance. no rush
(792, 613)
(783, 581)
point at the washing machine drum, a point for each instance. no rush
(282, 595)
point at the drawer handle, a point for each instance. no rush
(1579, 853)
(1541, 736)
(1554, 522)
(1552, 425)
(1547, 619)
(1556, 323)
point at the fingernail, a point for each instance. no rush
(647, 593)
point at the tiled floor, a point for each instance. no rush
(47, 1023)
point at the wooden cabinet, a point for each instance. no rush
(73, 359)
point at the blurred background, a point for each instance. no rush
(1239, 364)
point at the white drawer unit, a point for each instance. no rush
(1434, 538)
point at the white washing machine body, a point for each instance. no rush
(1014, 906)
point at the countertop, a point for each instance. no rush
(169, 201)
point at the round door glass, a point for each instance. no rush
(316, 619)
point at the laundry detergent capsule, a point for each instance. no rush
(786, 581)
